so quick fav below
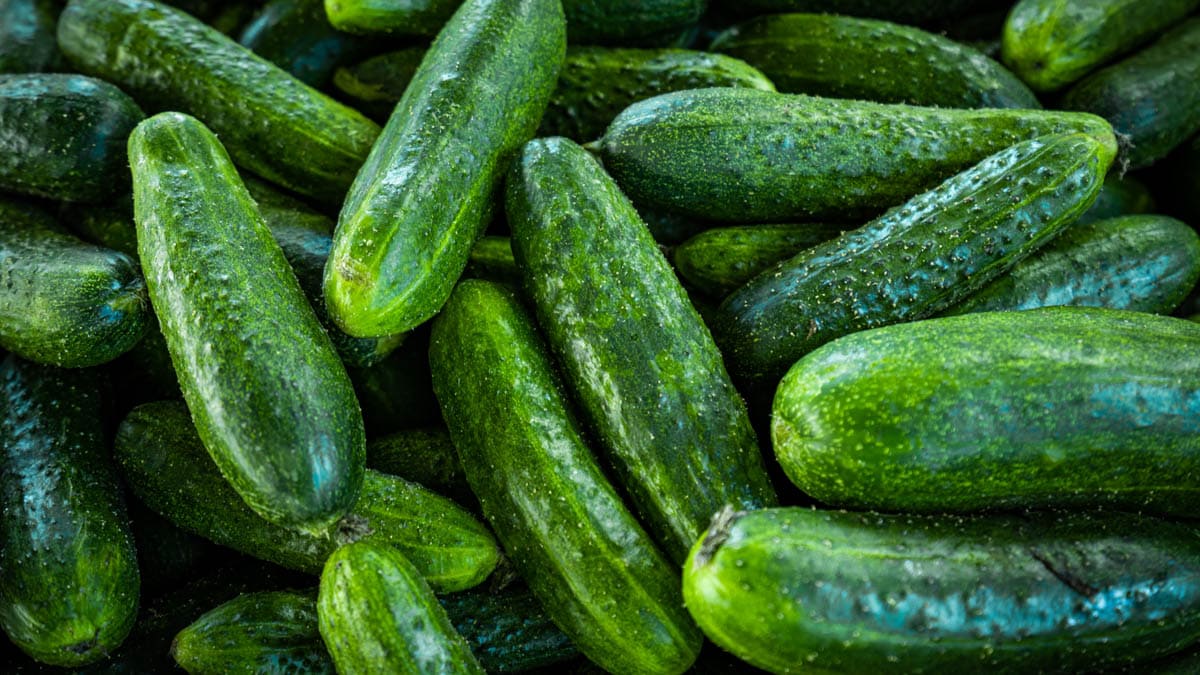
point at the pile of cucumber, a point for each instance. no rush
(569, 336)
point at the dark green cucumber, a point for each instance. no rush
(925, 12)
(799, 590)
(1056, 406)
(630, 22)
(492, 259)
(396, 393)
(264, 632)
(670, 229)
(1152, 97)
(27, 43)
(275, 125)
(165, 464)
(648, 376)
(376, 85)
(425, 193)
(426, 456)
(377, 615)
(1052, 43)
(1120, 196)
(402, 17)
(63, 136)
(743, 155)
(269, 395)
(565, 528)
(167, 556)
(827, 55)
(1138, 263)
(508, 629)
(718, 261)
(917, 259)
(296, 36)
(62, 301)
(68, 569)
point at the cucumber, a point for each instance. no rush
(166, 466)
(671, 229)
(492, 258)
(630, 22)
(827, 55)
(63, 136)
(1000, 409)
(742, 155)
(1050, 43)
(376, 614)
(424, 456)
(27, 43)
(1120, 196)
(425, 193)
(167, 556)
(566, 530)
(906, 594)
(718, 261)
(508, 630)
(270, 398)
(276, 126)
(68, 569)
(901, 11)
(402, 17)
(648, 376)
(1153, 97)
(917, 259)
(376, 85)
(64, 302)
(296, 36)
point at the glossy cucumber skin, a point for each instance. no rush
(63, 136)
(1153, 97)
(742, 155)
(62, 301)
(165, 464)
(287, 432)
(826, 55)
(1139, 263)
(646, 372)
(296, 36)
(27, 43)
(922, 594)
(718, 261)
(562, 524)
(629, 22)
(425, 193)
(402, 17)
(492, 259)
(900, 11)
(376, 614)
(508, 629)
(1052, 43)
(1036, 415)
(1120, 196)
(68, 570)
(917, 259)
(274, 125)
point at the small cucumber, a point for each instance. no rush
(424, 456)
(998, 410)
(508, 629)
(425, 193)
(718, 261)
(917, 259)
(376, 614)
(27, 43)
(565, 528)
(827, 55)
(798, 590)
(648, 376)
(296, 36)
(925, 12)
(403, 17)
(492, 259)
(68, 569)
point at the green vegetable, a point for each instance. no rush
(492, 258)
(629, 22)
(296, 36)
(901, 11)
(396, 393)
(376, 85)
(424, 456)
(718, 261)
(404, 17)
(27, 43)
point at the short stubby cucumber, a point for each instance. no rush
(565, 528)
(917, 259)
(718, 261)
(426, 191)
(1046, 407)
(401, 17)
(630, 22)
(647, 374)
(795, 590)
(744, 155)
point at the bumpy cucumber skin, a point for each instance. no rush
(376, 85)
(165, 464)
(645, 369)
(376, 614)
(273, 124)
(1052, 43)
(1047, 407)
(923, 594)
(1138, 263)
(402, 17)
(508, 629)
(269, 631)
(27, 43)
(296, 36)
(743, 155)
(901, 11)
(63, 136)
(562, 524)
(826, 55)
(425, 193)
(1120, 196)
(1153, 97)
(718, 261)
(68, 568)
(917, 259)
(629, 22)
(64, 302)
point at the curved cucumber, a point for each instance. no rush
(916, 260)
(827, 55)
(27, 43)
(296, 36)
(1000, 409)
(403, 17)
(565, 528)
(718, 261)
(629, 22)
(648, 376)
(904, 594)
(68, 569)
(425, 193)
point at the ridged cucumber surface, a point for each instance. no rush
(27, 42)
(402, 17)
(718, 261)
